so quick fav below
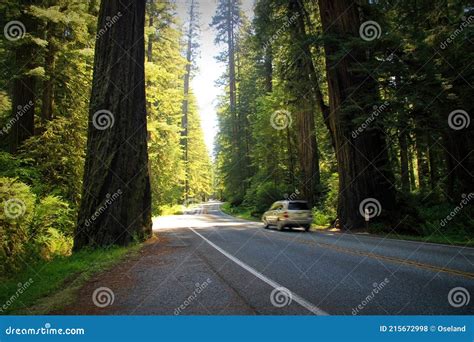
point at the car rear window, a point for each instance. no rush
(298, 206)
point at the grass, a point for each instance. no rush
(54, 284)
(240, 212)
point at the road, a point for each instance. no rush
(211, 263)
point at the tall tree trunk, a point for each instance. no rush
(23, 90)
(116, 198)
(232, 80)
(302, 89)
(149, 50)
(405, 176)
(363, 165)
(268, 68)
(187, 78)
(459, 161)
(422, 159)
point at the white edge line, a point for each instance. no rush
(301, 301)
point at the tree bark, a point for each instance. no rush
(302, 89)
(24, 87)
(459, 162)
(363, 165)
(405, 176)
(422, 160)
(116, 197)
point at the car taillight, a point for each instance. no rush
(285, 214)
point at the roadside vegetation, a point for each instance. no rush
(397, 145)
(44, 109)
(402, 140)
(44, 286)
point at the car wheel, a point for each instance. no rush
(307, 227)
(280, 226)
(265, 224)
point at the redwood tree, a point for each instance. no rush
(116, 199)
(363, 165)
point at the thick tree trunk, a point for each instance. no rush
(302, 89)
(116, 198)
(23, 110)
(363, 164)
(23, 90)
(459, 161)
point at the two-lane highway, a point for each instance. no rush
(210, 263)
(326, 273)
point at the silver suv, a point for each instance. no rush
(288, 214)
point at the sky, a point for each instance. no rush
(209, 70)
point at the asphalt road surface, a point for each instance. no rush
(209, 263)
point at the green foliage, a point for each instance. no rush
(30, 230)
(58, 154)
(13, 167)
(262, 195)
(325, 212)
(165, 95)
(16, 214)
(53, 227)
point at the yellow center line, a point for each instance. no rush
(387, 258)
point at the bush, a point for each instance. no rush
(52, 228)
(58, 154)
(12, 167)
(30, 230)
(16, 215)
(262, 196)
(325, 212)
